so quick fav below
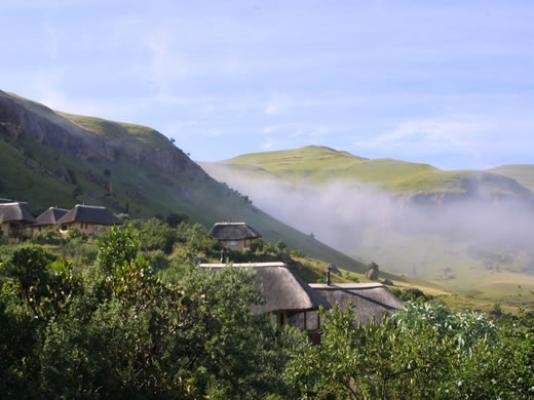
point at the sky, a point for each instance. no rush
(449, 83)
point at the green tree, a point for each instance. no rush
(425, 351)
(155, 234)
(120, 332)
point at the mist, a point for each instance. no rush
(435, 238)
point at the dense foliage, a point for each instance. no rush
(423, 352)
(115, 330)
(132, 317)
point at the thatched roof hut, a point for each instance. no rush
(229, 231)
(283, 291)
(16, 212)
(93, 215)
(50, 216)
(16, 219)
(369, 300)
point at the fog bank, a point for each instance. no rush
(422, 239)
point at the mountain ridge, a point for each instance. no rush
(51, 158)
(320, 164)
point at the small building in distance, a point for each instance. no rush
(16, 220)
(368, 300)
(90, 220)
(235, 235)
(288, 299)
(48, 219)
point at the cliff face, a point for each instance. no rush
(22, 117)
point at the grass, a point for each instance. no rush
(119, 130)
(473, 283)
(320, 165)
(524, 174)
(45, 176)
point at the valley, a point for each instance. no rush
(469, 231)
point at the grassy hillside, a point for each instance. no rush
(467, 231)
(316, 165)
(524, 174)
(49, 158)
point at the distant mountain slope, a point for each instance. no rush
(50, 158)
(318, 165)
(524, 174)
(470, 231)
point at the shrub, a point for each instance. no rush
(156, 235)
(48, 236)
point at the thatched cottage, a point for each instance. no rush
(287, 297)
(90, 220)
(49, 218)
(369, 300)
(16, 220)
(234, 235)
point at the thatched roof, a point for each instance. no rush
(281, 288)
(15, 212)
(233, 231)
(368, 299)
(90, 215)
(50, 216)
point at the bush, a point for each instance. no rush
(175, 219)
(425, 351)
(156, 235)
(48, 236)
(114, 330)
(157, 259)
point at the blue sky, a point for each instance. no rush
(445, 82)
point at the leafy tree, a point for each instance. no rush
(154, 234)
(175, 219)
(114, 330)
(424, 352)
(45, 283)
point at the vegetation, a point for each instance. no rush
(317, 165)
(44, 175)
(425, 351)
(524, 174)
(113, 325)
(403, 235)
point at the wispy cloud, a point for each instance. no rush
(458, 133)
(271, 109)
(353, 73)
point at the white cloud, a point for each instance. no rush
(268, 144)
(430, 134)
(271, 109)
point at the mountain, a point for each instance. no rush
(469, 231)
(319, 165)
(52, 158)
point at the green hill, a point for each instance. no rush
(51, 158)
(318, 165)
(524, 174)
(468, 231)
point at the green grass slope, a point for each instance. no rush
(319, 165)
(477, 272)
(35, 168)
(524, 174)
